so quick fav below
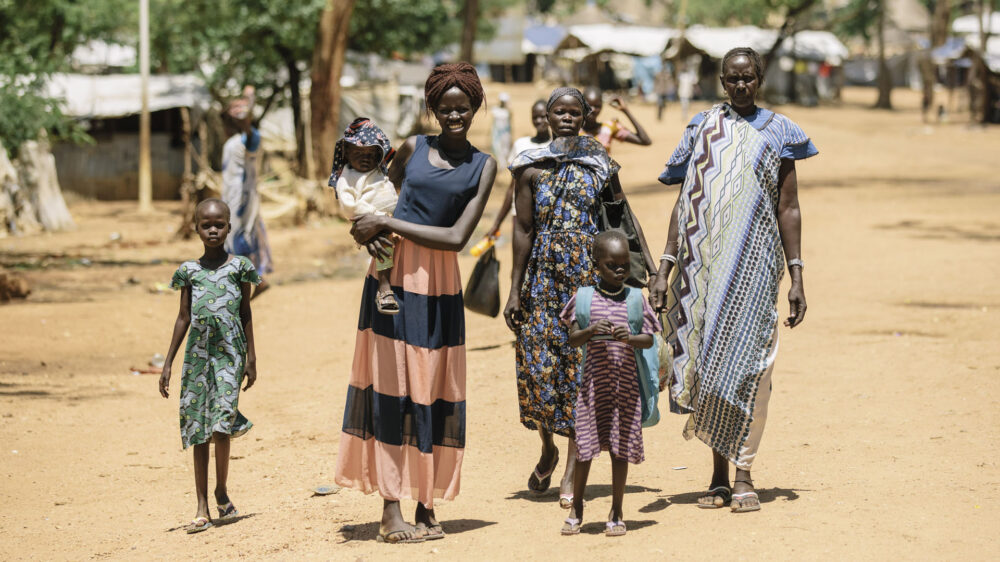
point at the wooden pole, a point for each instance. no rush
(145, 168)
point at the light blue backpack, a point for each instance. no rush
(647, 360)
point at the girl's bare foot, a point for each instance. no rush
(571, 526)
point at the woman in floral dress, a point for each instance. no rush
(557, 193)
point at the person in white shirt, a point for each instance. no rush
(541, 138)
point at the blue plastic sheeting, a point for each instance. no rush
(543, 38)
(644, 72)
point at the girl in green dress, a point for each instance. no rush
(215, 304)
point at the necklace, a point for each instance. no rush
(611, 293)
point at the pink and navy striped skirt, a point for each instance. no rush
(404, 423)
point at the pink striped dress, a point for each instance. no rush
(608, 410)
(404, 420)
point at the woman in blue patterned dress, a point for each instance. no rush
(740, 211)
(557, 192)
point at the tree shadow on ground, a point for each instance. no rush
(369, 531)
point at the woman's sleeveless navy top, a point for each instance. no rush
(434, 196)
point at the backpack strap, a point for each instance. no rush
(633, 300)
(584, 296)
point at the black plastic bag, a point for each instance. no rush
(482, 294)
(617, 215)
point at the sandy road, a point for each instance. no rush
(882, 440)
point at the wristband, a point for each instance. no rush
(796, 262)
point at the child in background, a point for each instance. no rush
(608, 131)
(541, 138)
(215, 304)
(609, 408)
(500, 131)
(359, 177)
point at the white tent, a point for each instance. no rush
(622, 39)
(717, 41)
(118, 95)
(970, 23)
(815, 45)
(100, 54)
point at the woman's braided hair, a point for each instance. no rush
(447, 76)
(758, 64)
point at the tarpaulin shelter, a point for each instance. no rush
(109, 107)
(604, 53)
(970, 24)
(622, 39)
(542, 39)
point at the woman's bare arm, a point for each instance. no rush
(180, 330)
(790, 228)
(658, 286)
(449, 238)
(524, 239)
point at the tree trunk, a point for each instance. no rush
(470, 14)
(324, 96)
(30, 199)
(928, 70)
(787, 28)
(294, 79)
(986, 91)
(188, 192)
(37, 170)
(884, 76)
(939, 22)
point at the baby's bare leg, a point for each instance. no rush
(387, 303)
(383, 280)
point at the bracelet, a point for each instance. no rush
(669, 258)
(796, 262)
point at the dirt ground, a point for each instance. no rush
(883, 433)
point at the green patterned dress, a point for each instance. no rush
(216, 350)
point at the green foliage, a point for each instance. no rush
(407, 27)
(858, 18)
(26, 112)
(232, 43)
(762, 13)
(36, 39)
(386, 27)
(229, 42)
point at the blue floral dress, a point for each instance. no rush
(564, 217)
